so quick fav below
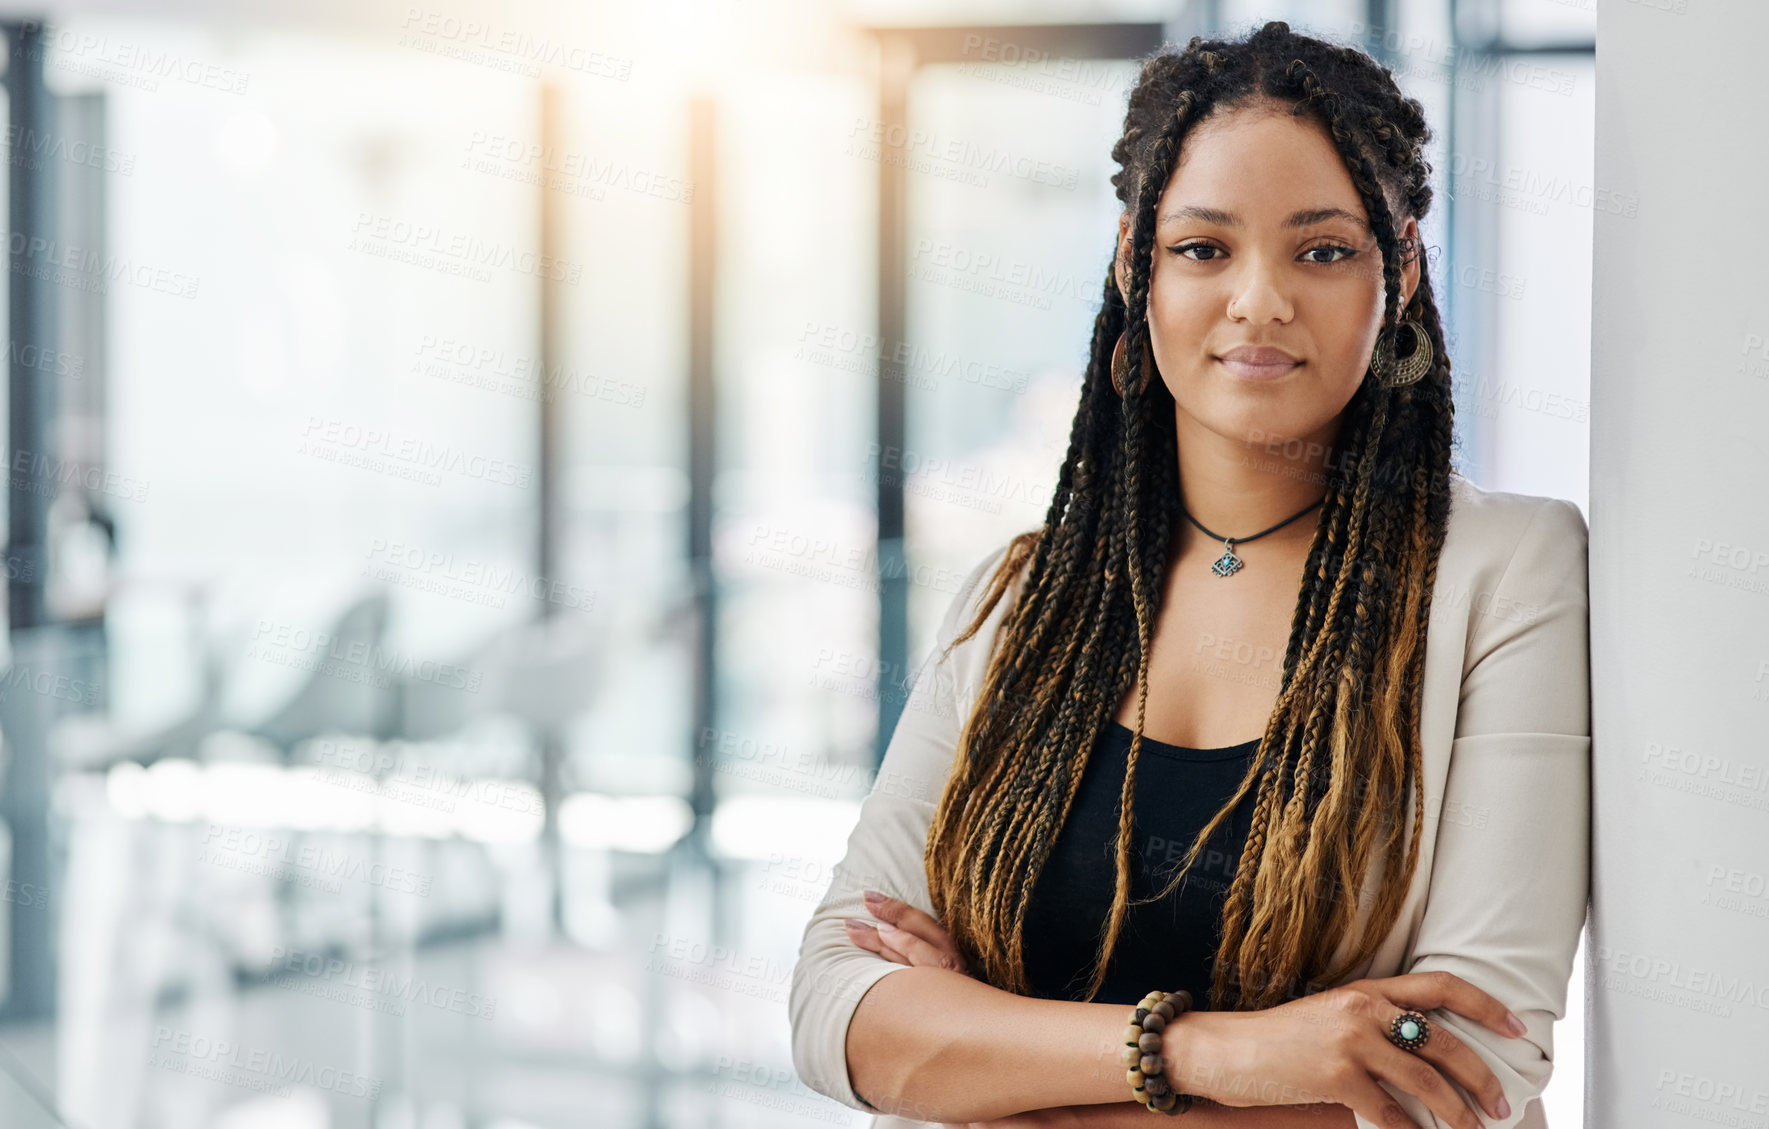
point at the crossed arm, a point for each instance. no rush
(924, 1030)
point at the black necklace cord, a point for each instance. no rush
(1231, 542)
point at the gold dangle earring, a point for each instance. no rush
(1121, 368)
(1388, 371)
(1398, 374)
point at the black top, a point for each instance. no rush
(1165, 945)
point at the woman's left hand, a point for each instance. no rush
(906, 935)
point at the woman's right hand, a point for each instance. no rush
(1332, 1046)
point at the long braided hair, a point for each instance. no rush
(1341, 750)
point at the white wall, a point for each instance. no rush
(1679, 965)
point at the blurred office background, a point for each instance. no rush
(482, 474)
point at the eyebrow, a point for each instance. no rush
(1304, 218)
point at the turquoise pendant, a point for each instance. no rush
(1228, 564)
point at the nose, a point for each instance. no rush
(1258, 296)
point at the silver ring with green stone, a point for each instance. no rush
(1409, 1031)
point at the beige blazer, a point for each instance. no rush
(1499, 894)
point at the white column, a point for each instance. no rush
(1678, 968)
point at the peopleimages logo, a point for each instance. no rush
(299, 970)
(921, 150)
(444, 572)
(505, 48)
(415, 451)
(83, 268)
(458, 252)
(253, 1068)
(127, 62)
(28, 147)
(242, 849)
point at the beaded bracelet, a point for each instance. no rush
(1142, 1051)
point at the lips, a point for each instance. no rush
(1259, 355)
(1258, 363)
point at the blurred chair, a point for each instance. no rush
(331, 695)
(539, 671)
(341, 694)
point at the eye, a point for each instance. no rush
(1184, 247)
(1337, 251)
(1344, 252)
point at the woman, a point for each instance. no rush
(1374, 903)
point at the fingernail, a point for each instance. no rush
(856, 923)
(1516, 1024)
(874, 896)
(1504, 1107)
(885, 927)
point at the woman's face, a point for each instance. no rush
(1265, 294)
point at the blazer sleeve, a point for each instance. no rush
(1510, 873)
(885, 849)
